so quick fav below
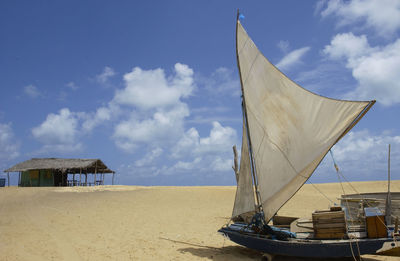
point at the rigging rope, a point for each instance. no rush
(348, 209)
(339, 173)
(322, 193)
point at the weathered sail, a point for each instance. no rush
(290, 128)
(244, 201)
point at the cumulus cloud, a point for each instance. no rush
(213, 152)
(361, 155)
(186, 165)
(220, 139)
(162, 128)
(347, 45)
(102, 114)
(381, 15)
(58, 132)
(292, 58)
(107, 73)
(148, 110)
(9, 147)
(150, 113)
(149, 89)
(32, 91)
(375, 68)
(149, 157)
(158, 111)
(221, 81)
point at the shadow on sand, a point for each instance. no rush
(242, 253)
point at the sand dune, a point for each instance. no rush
(137, 223)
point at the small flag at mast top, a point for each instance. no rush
(241, 16)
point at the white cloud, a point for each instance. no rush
(362, 155)
(208, 155)
(292, 58)
(157, 110)
(221, 164)
(32, 91)
(375, 68)
(9, 147)
(72, 86)
(283, 46)
(107, 73)
(150, 89)
(155, 114)
(150, 113)
(149, 157)
(381, 15)
(221, 139)
(347, 45)
(58, 132)
(59, 148)
(212, 153)
(319, 6)
(187, 165)
(188, 143)
(221, 81)
(163, 127)
(102, 114)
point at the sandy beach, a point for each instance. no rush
(138, 223)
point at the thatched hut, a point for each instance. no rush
(47, 172)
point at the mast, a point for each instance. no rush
(388, 209)
(244, 110)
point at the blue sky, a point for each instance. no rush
(152, 88)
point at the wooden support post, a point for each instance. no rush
(19, 179)
(73, 179)
(236, 165)
(388, 207)
(95, 174)
(80, 177)
(102, 178)
(86, 178)
(8, 178)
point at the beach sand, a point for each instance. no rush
(138, 223)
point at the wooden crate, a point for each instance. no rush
(375, 222)
(376, 227)
(329, 224)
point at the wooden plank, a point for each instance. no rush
(330, 229)
(327, 216)
(330, 225)
(328, 213)
(330, 235)
(332, 220)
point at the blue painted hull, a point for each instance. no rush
(305, 248)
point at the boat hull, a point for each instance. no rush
(305, 248)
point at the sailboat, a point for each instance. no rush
(287, 131)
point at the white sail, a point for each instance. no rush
(290, 128)
(244, 201)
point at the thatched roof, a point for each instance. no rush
(64, 165)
